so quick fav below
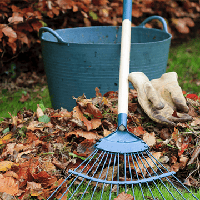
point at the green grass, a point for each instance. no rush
(137, 192)
(185, 60)
(9, 101)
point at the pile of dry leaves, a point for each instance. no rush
(38, 148)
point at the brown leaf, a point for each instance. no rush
(92, 109)
(149, 138)
(175, 167)
(39, 111)
(165, 134)
(95, 123)
(80, 119)
(8, 185)
(15, 19)
(196, 121)
(11, 174)
(86, 147)
(85, 134)
(183, 161)
(190, 181)
(13, 46)
(8, 31)
(24, 97)
(124, 196)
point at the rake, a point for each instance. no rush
(122, 161)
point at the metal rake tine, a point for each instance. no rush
(100, 175)
(125, 169)
(112, 176)
(168, 178)
(117, 173)
(132, 154)
(131, 175)
(150, 174)
(144, 176)
(59, 186)
(91, 155)
(106, 176)
(84, 178)
(94, 173)
(185, 187)
(161, 179)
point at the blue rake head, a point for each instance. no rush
(122, 141)
(103, 175)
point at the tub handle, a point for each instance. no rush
(52, 32)
(155, 17)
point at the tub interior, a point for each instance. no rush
(106, 35)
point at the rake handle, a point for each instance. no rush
(124, 63)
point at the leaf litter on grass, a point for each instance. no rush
(33, 158)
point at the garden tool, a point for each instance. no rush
(121, 161)
(159, 98)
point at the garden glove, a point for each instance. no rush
(152, 103)
(168, 88)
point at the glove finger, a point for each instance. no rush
(153, 96)
(183, 118)
(160, 119)
(180, 103)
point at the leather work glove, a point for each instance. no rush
(153, 103)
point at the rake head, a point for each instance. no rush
(120, 163)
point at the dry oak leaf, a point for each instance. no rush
(124, 196)
(35, 188)
(95, 123)
(8, 185)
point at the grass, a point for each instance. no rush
(9, 101)
(137, 192)
(185, 60)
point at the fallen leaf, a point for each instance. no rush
(85, 134)
(92, 109)
(149, 138)
(39, 111)
(35, 188)
(11, 174)
(80, 119)
(165, 133)
(106, 132)
(86, 147)
(95, 123)
(148, 162)
(190, 181)
(8, 31)
(124, 196)
(183, 161)
(48, 166)
(196, 121)
(8, 185)
(5, 138)
(6, 165)
(24, 97)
